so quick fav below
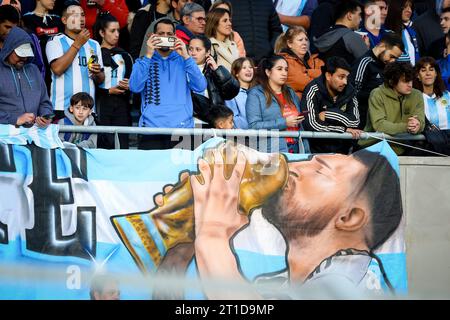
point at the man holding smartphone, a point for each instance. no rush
(165, 77)
(23, 94)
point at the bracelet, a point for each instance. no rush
(78, 49)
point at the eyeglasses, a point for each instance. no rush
(199, 19)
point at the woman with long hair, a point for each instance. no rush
(399, 21)
(273, 105)
(218, 29)
(293, 45)
(113, 95)
(428, 79)
(225, 4)
(243, 70)
(221, 85)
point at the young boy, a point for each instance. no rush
(79, 114)
(221, 117)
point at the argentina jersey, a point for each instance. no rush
(76, 78)
(113, 76)
(438, 110)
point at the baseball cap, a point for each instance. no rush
(24, 50)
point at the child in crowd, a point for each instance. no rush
(80, 114)
(221, 117)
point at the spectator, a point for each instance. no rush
(23, 95)
(368, 71)
(445, 20)
(293, 45)
(430, 37)
(444, 63)
(193, 22)
(341, 40)
(322, 19)
(15, 3)
(273, 105)
(9, 18)
(295, 13)
(45, 25)
(164, 78)
(332, 106)
(221, 117)
(11, 12)
(399, 21)
(113, 95)
(226, 4)
(375, 13)
(243, 70)
(221, 85)
(153, 11)
(395, 107)
(219, 31)
(104, 287)
(175, 13)
(68, 55)
(80, 114)
(91, 8)
(428, 79)
(258, 24)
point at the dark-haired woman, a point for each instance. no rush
(221, 85)
(436, 98)
(273, 105)
(113, 95)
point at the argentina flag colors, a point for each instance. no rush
(66, 209)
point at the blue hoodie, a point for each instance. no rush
(24, 90)
(165, 85)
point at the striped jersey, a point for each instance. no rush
(76, 78)
(114, 75)
(438, 110)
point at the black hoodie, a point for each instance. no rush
(340, 115)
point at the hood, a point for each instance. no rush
(328, 39)
(188, 32)
(15, 38)
(71, 117)
(343, 98)
(389, 92)
(287, 53)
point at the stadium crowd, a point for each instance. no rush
(316, 65)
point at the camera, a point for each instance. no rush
(167, 42)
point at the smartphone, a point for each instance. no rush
(49, 116)
(304, 113)
(93, 59)
(167, 42)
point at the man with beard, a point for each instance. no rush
(165, 77)
(332, 107)
(332, 213)
(367, 72)
(23, 95)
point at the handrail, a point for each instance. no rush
(233, 132)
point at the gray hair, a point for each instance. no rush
(190, 8)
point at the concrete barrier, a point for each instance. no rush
(425, 184)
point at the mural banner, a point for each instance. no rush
(287, 226)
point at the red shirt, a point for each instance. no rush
(117, 8)
(288, 110)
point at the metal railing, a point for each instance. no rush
(231, 133)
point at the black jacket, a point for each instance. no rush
(430, 38)
(258, 24)
(221, 86)
(367, 74)
(322, 19)
(339, 115)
